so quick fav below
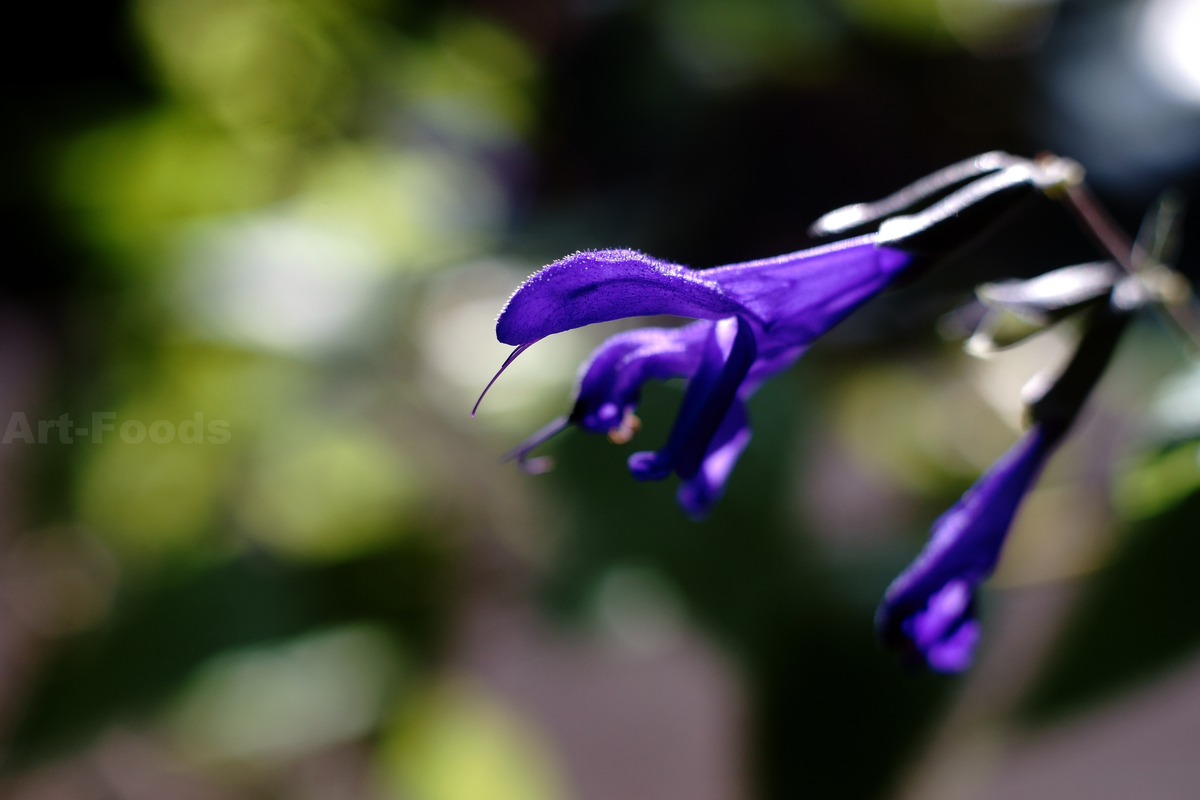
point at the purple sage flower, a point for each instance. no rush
(753, 319)
(928, 612)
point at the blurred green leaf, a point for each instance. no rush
(163, 628)
(1154, 482)
(458, 743)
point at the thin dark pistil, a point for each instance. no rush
(521, 348)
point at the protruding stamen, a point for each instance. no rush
(521, 348)
(623, 433)
(536, 466)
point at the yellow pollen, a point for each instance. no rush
(625, 431)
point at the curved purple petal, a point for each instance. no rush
(754, 320)
(956, 651)
(927, 613)
(729, 352)
(611, 379)
(603, 285)
(801, 295)
(698, 495)
(610, 382)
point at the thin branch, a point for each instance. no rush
(1180, 307)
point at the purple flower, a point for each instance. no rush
(928, 612)
(753, 320)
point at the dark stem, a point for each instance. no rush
(1183, 316)
(1096, 220)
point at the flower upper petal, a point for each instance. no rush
(801, 295)
(603, 285)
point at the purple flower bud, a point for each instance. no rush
(928, 613)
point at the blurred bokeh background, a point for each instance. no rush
(299, 218)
